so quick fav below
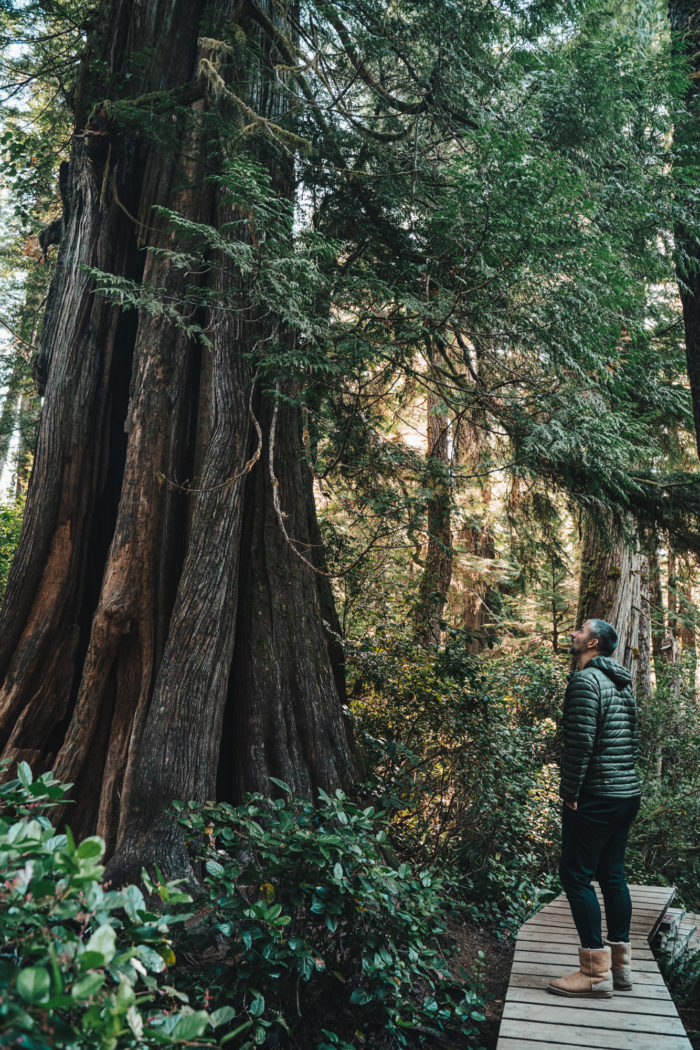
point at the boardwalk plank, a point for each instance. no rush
(559, 933)
(599, 1017)
(632, 1004)
(531, 1035)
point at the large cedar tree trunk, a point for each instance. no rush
(157, 638)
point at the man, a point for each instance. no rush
(601, 795)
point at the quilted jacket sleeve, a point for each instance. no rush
(581, 711)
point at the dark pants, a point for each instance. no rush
(593, 842)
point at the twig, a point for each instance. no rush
(10, 329)
(236, 477)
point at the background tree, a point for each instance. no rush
(685, 25)
(612, 573)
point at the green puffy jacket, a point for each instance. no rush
(600, 732)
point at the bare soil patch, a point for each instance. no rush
(491, 974)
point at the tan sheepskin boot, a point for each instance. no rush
(621, 964)
(592, 981)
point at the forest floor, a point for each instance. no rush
(491, 974)
(690, 1016)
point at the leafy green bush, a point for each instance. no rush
(462, 751)
(663, 841)
(682, 975)
(322, 932)
(81, 966)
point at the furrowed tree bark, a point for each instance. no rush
(684, 17)
(473, 583)
(657, 611)
(688, 615)
(610, 589)
(159, 629)
(644, 689)
(295, 730)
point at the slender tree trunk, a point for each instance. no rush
(555, 610)
(687, 631)
(684, 17)
(29, 410)
(658, 613)
(644, 688)
(437, 571)
(610, 587)
(475, 553)
(9, 411)
(671, 647)
(154, 635)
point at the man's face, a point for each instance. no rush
(582, 639)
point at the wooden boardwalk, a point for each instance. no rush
(644, 1018)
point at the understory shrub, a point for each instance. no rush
(82, 967)
(682, 975)
(322, 933)
(462, 753)
(11, 512)
(663, 843)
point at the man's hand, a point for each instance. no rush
(571, 805)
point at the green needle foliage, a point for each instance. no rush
(489, 187)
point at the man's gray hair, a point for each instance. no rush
(606, 635)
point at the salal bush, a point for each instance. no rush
(82, 966)
(324, 933)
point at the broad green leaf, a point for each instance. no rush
(103, 942)
(24, 773)
(34, 984)
(257, 1007)
(125, 994)
(133, 901)
(191, 1026)
(134, 1021)
(150, 958)
(91, 847)
(87, 986)
(222, 1015)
